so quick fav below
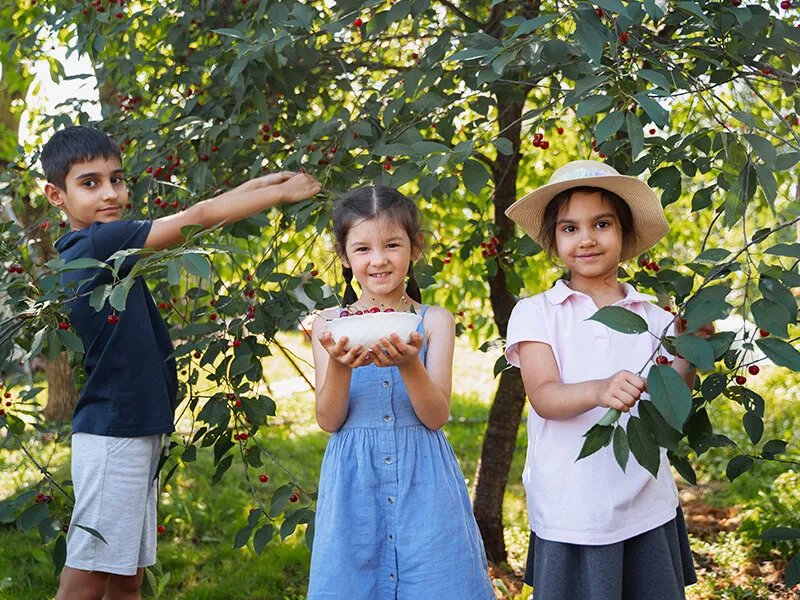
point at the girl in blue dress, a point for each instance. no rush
(394, 519)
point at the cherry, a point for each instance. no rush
(736, 2)
(113, 319)
(237, 343)
(358, 22)
(786, 4)
(65, 528)
(447, 260)
(644, 263)
(148, 170)
(544, 145)
(45, 226)
(2, 412)
(161, 529)
(62, 224)
(470, 326)
(127, 205)
(212, 317)
(63, 325)
(560, 131)
(763, 333)
(175, 204)
(243, 436)
(753, 369)
(294, 497)
(264, 478)
(740, 379)
(654, 267)
(215, 148)
(662, 360)
(238, 404)
(314, 273)
(668, 309)
(359, 312)
(235, 437)
(599, 12)
(374, 309)
(197, 355)
(652, 131)
(387, 166)
(119, 15)
(204, 157)
(623, 37)
(388, 310)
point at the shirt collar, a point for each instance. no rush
(561, 291)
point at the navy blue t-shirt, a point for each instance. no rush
(131, 385)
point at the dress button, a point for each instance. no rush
(391, 499)
(391, 576)
(391, 538)
(385, 384)
(387, 418)
(388, 460)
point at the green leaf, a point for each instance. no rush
(262, 537)
(197, 265)
(670, 395)
(771, 316)
(599, 436)
(793, 572)
(621, 447)
(786, 160)
(222, 467)
(503, 145)
(664, 435)
(620, 319)
(655, 78)
(773, 448)
(696, 350)
(99, 295)
(738, 464)
(790, 250)
(475, 176)
(768, 184)
(781, 353)
(721, 342)
(187, 231)
(702, 313)
(781, 534)
(609, 126)
(242, 537)
(713, 386)
(683, 467)
(593, 105)
(643, 446)
(59, 554)
(753, 425)
(32, 516)
(279, 499)
(90, 531)
(763, 148)
(119, 294)
(84, 263)
(291, 522)
(635, 134)
(590, 40)
(71, 341)
(654, 110)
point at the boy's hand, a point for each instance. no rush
(353, 358)
(266, 180)
(394, 353)
(620, 391)
(299, 188)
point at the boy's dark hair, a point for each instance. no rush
(71, 146)
(559, 201)
(370, 202)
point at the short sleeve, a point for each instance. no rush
(108, 238)
(527, 324)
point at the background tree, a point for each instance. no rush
(464, 105)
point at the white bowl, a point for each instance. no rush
(366, 330)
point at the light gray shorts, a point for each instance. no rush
(116, 494)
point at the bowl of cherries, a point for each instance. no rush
(365, 328)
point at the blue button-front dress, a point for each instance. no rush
(394, 519)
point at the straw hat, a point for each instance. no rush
(648, 217)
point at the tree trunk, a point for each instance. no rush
(500, 438)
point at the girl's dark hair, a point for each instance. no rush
(547, 234)
(370, 202)
(74, 145)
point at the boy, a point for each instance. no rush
(127, 403)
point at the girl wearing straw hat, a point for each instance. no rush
(597, 533)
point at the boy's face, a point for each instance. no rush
(95, 192)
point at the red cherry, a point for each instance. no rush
(113, 319)
(238, 404)
(358, 22)
(45, 226)
(212, 317)
(314, 273)
(786, 4)
(470, 326)
(736, 2)
(161, 529)
(374, 309)
(197, 355)
(264, 478)
(215, 148)
(359, 312)
(235, 437)
(560, 131)
(654, 267)
(461, 313)
(237, 343)
(447, 261)
(763, 333)
(128, 205)
(65, 528)
(148, 170)
(2, 412)
(388, 310)
(7, 395)
(599, 12)
(652, 131)
(63, 325)
(243, 436)
(175, 204)
(662, 360)
(344, 313)
(544, 145)
(119, 15)
(294, 497)
(623, 37)
(62, 224)
(740, 379)
(387, 166)
(753, 369)
(204, 157)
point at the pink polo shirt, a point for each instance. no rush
(590, 501)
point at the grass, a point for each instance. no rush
(196, 550)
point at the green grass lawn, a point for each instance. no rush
(196, 551)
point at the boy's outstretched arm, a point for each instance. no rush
(239, 203)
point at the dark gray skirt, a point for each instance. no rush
(655, 565)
